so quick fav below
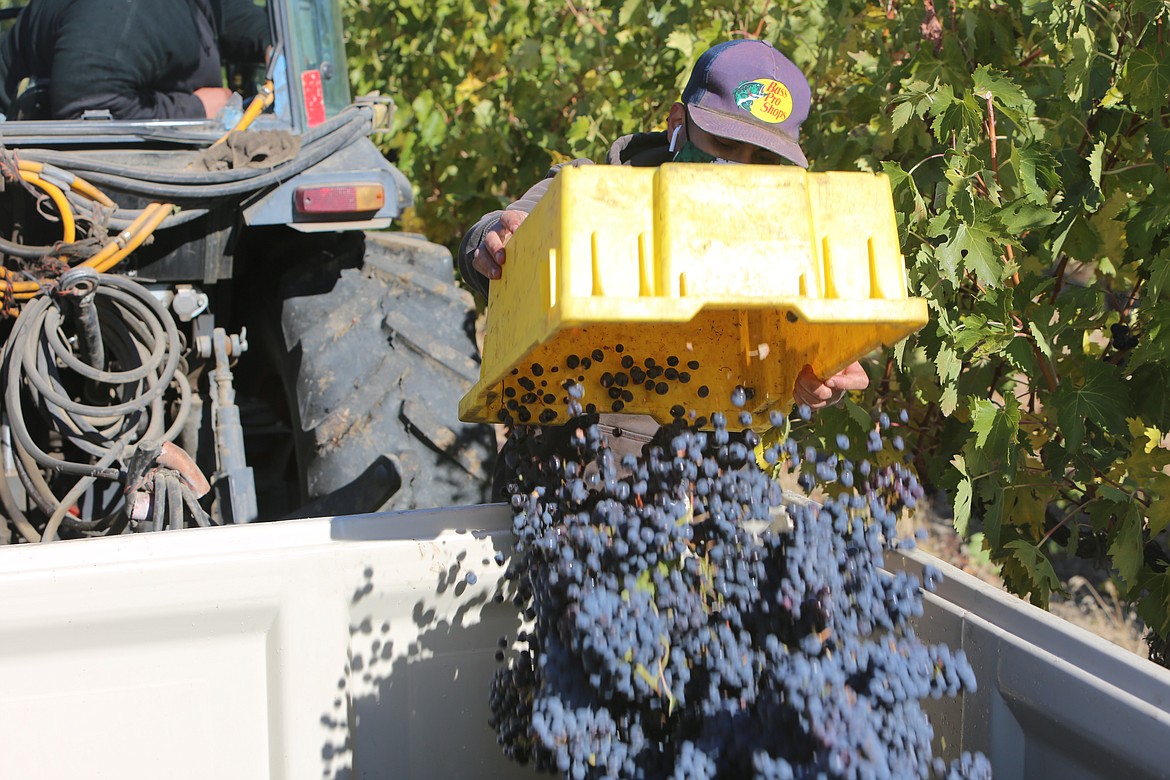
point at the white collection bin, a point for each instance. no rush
(356, 648)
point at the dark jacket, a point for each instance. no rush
(643, 150)
(140, 59)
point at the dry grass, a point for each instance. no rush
(1093, 604)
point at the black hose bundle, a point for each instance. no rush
(94, 395)
(190, 188)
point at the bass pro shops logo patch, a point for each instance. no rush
(765, 99)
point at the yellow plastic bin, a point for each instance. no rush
(664, 289)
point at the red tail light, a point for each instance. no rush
(339, 199)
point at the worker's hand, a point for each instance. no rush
(817, 393)
(489, 256)
(214, 99)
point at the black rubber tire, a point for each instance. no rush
(379, 348)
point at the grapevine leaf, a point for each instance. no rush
(1159, 144)
(995, 428)
(1096, 160)
(1038, 567)
(1102, 399)
(1159, 278)
(1151, 9)
(902, 184)
(1126, 547)
(1021, 216)
(949, 399)
(629, 9)
(1150, 350)
(1154, 609)
(1158, 512)
(902, 115)
(1113, 97)
(1026, 506)
(682, 42)
(990, 82)
(1042, 340)
(917, 98)
(1146, 80)
(962, 497)
(959, 116)
(948, 364)
(993, 519)
(1082, 51)
(971, 248)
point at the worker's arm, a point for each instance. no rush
(481, 252)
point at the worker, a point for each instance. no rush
(714, 122)
(137, 59)
(744, 102)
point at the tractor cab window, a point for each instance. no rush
(316, 52)
(175, 60)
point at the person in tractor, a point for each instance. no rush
(137, 59)
(712, 123)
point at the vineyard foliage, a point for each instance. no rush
(1028, 149)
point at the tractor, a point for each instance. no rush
(209, 322)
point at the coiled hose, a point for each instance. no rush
(79, 407)
(127, 328)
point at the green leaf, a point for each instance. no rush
(1159, 143)
(902, 114)
(1127, 546)
(1021, 216)
(1151, 9)
(971, 249)
(993, 518)
(1037, 565)
(1146, 80)
(996, 84)
(982, 337)
(995, 428)
(962, 497)
(682, 42)
(628, 10)
(1113, 97)
(859, 416)
(1159, 283)
(1095, 158)
(1102, 399)
(961, 117)
(1081, 52)
(948, 364)
(1042, 339)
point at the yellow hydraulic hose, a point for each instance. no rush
(78, 184)
(161, 212)
(258, 106)
(139, 230)
(112, 253)
(68, 225)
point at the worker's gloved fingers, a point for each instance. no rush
(852, 377)
(811, 391)
(490, 256)
(511, 219)
(484, 263)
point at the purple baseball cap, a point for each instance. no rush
(748, 91)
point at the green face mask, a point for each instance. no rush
(691, 153)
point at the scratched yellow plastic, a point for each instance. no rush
(729, 275)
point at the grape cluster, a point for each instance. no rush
(689, 619)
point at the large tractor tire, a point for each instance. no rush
(380, 347)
